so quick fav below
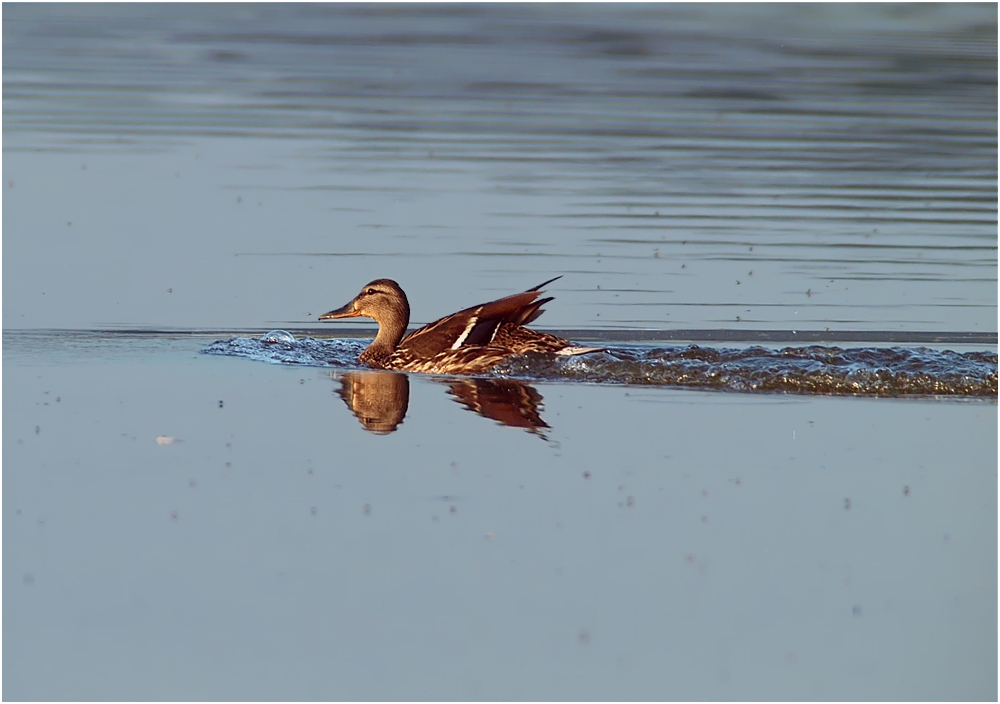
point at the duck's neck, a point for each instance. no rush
(390, 332)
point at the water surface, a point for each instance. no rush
(186, 526)
(780, 483)
(804, 167)
(860, 371)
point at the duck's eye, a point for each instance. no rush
(370, 292)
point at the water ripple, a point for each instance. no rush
(861, 371)
(279, 349)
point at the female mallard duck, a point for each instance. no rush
(468, 342)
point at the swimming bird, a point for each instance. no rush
(470, 341)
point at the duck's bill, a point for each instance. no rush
(345, 312)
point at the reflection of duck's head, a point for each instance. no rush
(378, 399)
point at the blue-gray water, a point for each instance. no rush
(187, 526)
(684, 166)
(864, 371)
(779, 483)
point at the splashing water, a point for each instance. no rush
(862, 371)
(281, 347)
(812, 370)
(278, 337)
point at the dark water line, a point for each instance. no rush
(985, 339)
(832, 336)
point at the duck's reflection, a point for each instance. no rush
(379, 399)
(506, 401)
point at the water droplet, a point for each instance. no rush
(278, 336)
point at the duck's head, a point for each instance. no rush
(382, 300)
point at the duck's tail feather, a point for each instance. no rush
(545, 283)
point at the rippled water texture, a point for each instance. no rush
(792, 203)
(685, 166)
(863, 371)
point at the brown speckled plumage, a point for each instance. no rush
(468, 342)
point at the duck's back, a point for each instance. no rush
(478, 326)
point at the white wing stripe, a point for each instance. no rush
(468, 328)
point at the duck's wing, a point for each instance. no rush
(475, 326)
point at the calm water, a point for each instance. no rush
(682, 166)
(740, 198)
(188, 526)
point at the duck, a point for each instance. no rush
(471, 341)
